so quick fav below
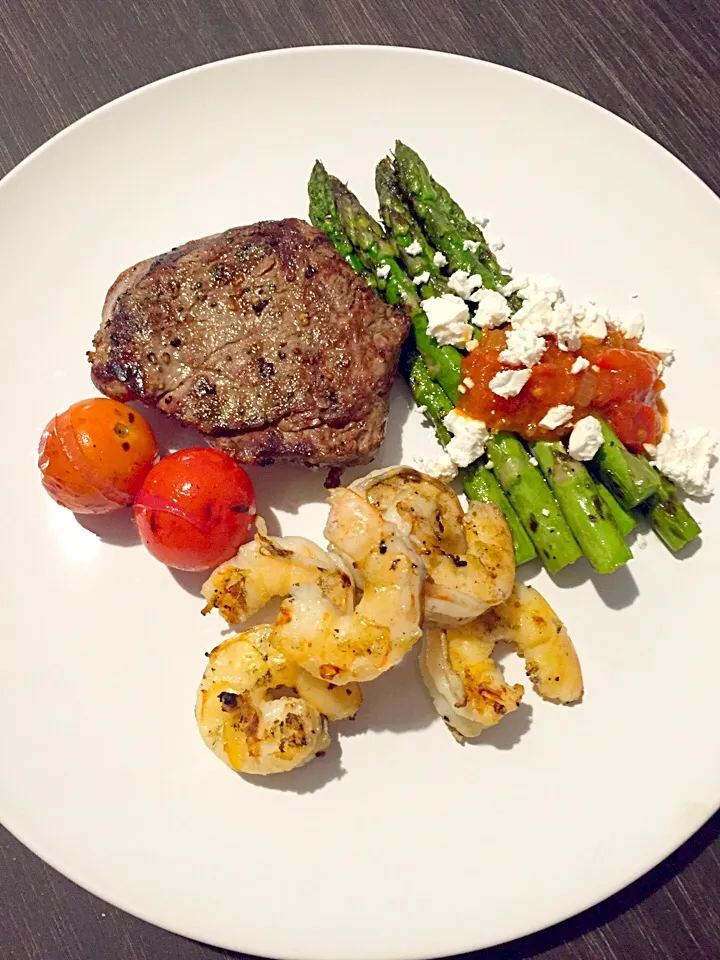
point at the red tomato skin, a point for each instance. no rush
(195, 508)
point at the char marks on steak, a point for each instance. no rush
(262, 338)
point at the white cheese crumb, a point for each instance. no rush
(421, 278)
(533, 461)
(469, 438)
(586, 439)
(462, 388)
(448, 317)
(498, 245)
(489, 464)
(414, 248)
(545, 512)
(595, 368)
(463, 284)
(492, 310)
(591, 322)
(509, 383)
(481, 222)
(472, 345)
(383, 272)
(557, 416)
(472, 245)
(540, 285)
(469, 382)
(441, 466)
(580, 364)
(547, 317)
(440, 260)
(524, 348)
(666, 355)
(633, 327)
(686, 457)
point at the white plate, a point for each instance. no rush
(400, 844)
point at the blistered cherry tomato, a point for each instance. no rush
(95, 456)
(195, 509)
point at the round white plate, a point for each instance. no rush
(400, 843)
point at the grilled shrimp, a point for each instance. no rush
(262, 714)
(528, 622)
(269, 567)
(338, 646)
(468, 688)
(469, 556)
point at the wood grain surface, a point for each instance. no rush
(654, 63)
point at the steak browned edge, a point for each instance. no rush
(263, 338)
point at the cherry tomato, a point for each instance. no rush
(95, 456)
(195, 509)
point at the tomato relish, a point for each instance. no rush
(622, 385)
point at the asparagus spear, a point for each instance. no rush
(481, 484)
(417, 185)
(533, 501)
(478, 482)
(402, 227)
(367, 237)
(323, 214)
(669, 517)
(580, 501)
(624, 520)
(629, 477)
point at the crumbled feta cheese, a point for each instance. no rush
(595, 368)
(540, 285)
(580, 364)
(498, 245)
(590, 322)
(686, 457)
(448, 317)
(492, 310)
(481, 222)
(509, 383)
(545, 512)
(666, 355)
(533, 461)
(524, 348)
(463, 284)
(472, 245)
(472, 345)
(489, 464)
(440, 260)
(546, 317)
(462, 388)
(414, 249)
(469, 438)
(633, 327)
(421, 278)
(557, 416)
(586, 439)
(469, 382)
(441, 466)
(383, 272)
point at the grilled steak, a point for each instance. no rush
(261, 337)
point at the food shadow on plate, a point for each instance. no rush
(310, 778)
(191, 580)
(617, 590)
(397, 701)
(117, 528)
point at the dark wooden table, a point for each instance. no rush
(654, 63)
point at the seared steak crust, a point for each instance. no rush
(262, 338)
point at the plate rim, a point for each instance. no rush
(680, 837)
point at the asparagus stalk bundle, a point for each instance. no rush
(560, 510)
